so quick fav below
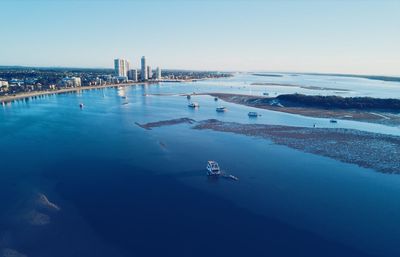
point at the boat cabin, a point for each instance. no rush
(221, 109)
(213, 168)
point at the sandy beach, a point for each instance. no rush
(268, 84)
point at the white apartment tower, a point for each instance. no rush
(158, 73)
(121, 67)
(143, 72)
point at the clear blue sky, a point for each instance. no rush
(313, 36)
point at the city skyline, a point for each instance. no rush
(350, 37)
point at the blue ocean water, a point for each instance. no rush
(126, 191)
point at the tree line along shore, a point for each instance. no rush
(376, 110)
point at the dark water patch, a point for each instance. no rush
(144, 214)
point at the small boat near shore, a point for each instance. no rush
(215, 98)
(194, 105)
(188, 97)
(221, 109)
(253, 114)
(333, 121)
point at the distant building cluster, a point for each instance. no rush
(15, 80)
(124, 73)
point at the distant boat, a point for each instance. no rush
(333, 121)
(253, 114)
(216, 99)
(213, 168)
(221, 109)
(194, 105)
(188, 96)
(266, 94)
(81, 105)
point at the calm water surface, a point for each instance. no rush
(125, 191)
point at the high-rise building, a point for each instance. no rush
(158, 73)
(132, 75)
(121, 67)
(143, 72)
(149, 72)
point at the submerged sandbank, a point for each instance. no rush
(162, 123)
(369, 150)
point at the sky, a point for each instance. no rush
(357, 37)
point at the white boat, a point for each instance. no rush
(213, 168)
(221, 109)
(194, 105)
(253, 114)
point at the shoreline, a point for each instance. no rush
(7, 99)
(11, 98)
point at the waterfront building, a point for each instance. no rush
(143, 72)
(120, 79)
(149, 72)
(121, 67)
(3, 86)
(3, 83)
(71, 82)
(132, 75)
(158, 73)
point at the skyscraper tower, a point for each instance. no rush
(158, 73)
(132, 75)
(149, 72)
(121, 67)
(143, 72)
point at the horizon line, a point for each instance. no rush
(211, 70)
